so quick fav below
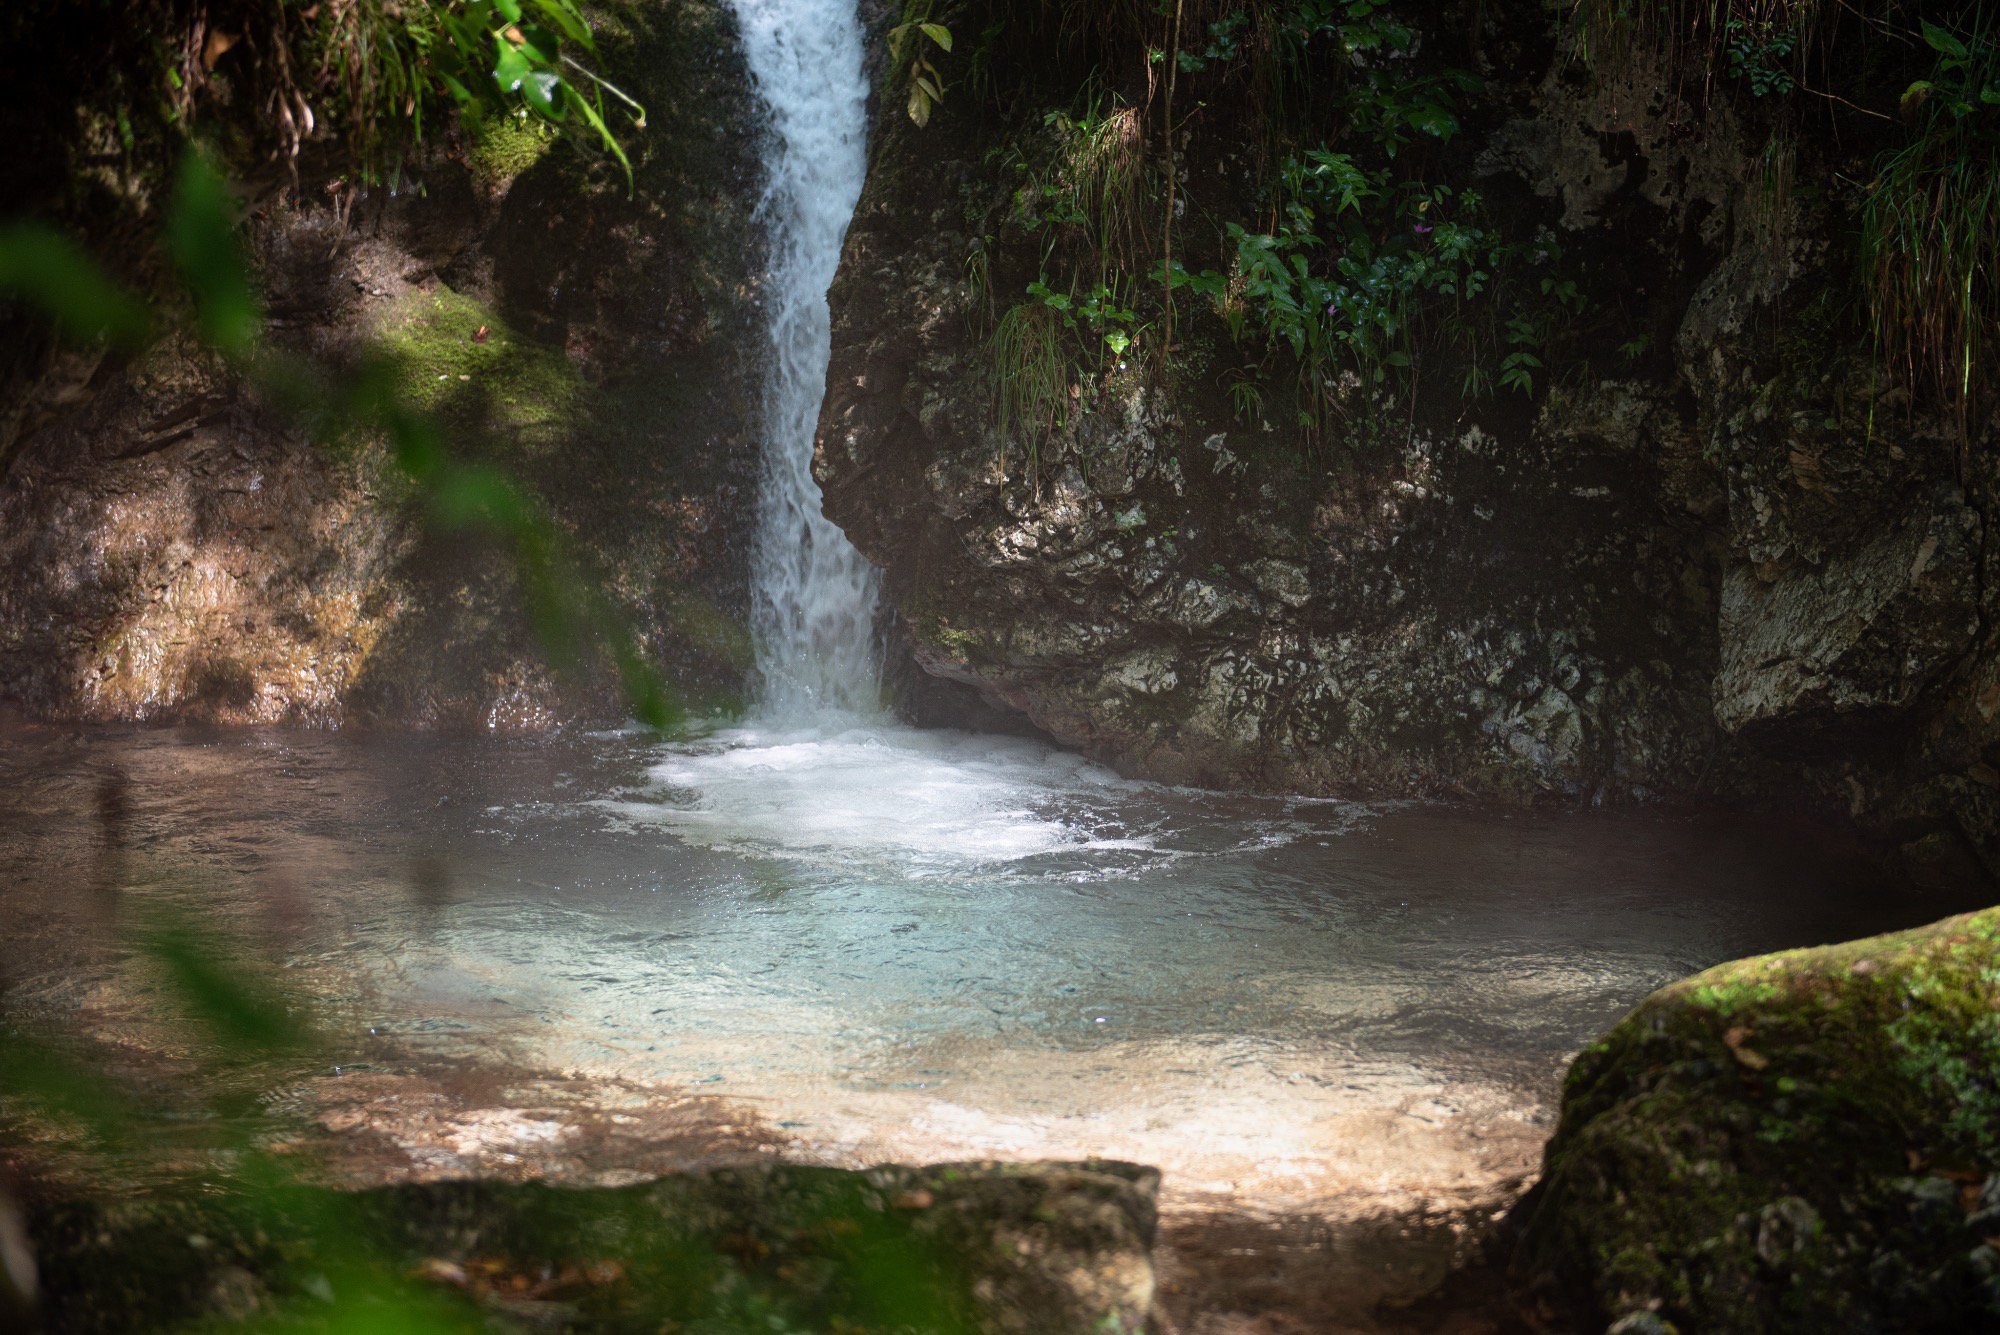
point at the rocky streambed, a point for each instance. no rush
(1778, 1144)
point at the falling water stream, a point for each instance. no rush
(814, 618)
(821, 765)
(823, 934)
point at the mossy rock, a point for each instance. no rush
(1804, 1141)
(456, 357)
(1042, 1248)
(502, 147)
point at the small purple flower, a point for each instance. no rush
(1422, 229)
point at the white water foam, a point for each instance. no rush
(896, 800)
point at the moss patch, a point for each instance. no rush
(503, 147)
(1801, 1141)
(456, 357)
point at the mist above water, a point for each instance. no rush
(902, 945)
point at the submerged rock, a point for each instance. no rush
(1043, 1248)
(1805, 1141)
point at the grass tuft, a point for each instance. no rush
(1930, 229)
(1030, 378)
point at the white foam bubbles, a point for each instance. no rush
(916, 802)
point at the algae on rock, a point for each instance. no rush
(1806, 1141)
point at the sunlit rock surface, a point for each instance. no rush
(1807, 1141)
(171, 549)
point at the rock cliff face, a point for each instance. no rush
(1712, 564)
(1718, 561)
(169, 548)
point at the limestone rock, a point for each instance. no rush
(1861, 634)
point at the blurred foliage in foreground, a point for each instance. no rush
(192, 1220)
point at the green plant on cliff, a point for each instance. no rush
(1917, 87)
(910, 43)
(1334, 251)
(272, 76)
(1366, 271)
(389, 66)
(1760, 54)
(1031, 377)
(1761, 43)
(1097, 181)
(1098, 315)
(1931, 224)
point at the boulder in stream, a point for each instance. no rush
(1805, 1141)
(1043, 1248)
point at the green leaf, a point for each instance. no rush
(538, 43)
(476, 495)
(243, 1016)
(59, 1083)
(938, 33)
(52, 273)
(566, 18)
(590, 114)
(510, 67)
(543, 89)
(201, 233)
(1943, 42)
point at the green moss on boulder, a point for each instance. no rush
(1015, 1249)
(1804, 1141)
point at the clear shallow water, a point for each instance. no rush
(921, 945)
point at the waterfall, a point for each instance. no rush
(813, 619)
